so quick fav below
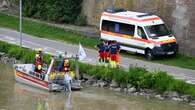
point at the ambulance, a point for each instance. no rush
(142, 33)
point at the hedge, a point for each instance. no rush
(23, 54)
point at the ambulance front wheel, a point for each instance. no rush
(149, 55)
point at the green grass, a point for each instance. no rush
(179, 60)
(45, 31)
(138, 77)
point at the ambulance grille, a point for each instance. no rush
(169, 47)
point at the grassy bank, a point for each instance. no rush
(45, 31)
(138, 77)
(180, 61)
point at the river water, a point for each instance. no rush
(16, 96)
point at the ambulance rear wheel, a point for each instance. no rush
(149, 55)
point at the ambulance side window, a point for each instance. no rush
(108, 26)
(141, 32)
(117, 27)
(127, 29)
(117, 30)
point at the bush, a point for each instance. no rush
(28, 57)
(23, 54)
(135, 76)
(16, 53)
(179, 86)
(162, 82)
(53, 10)
(4, 47)
(147, 81)
(190, 90)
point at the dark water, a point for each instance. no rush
(15, 96)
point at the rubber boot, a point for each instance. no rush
(114, 64)
(100, 62)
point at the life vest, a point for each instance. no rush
(37, 58)
(38, 64)
(66, 65)
(52, 76)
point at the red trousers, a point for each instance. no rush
(115, 57)
(103, 55)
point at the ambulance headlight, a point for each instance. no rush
(157, 45)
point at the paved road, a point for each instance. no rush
(51, 47)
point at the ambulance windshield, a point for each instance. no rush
(156, 31)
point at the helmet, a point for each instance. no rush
(37, 55)
(66, 61)
(39, 67)
(40, 49)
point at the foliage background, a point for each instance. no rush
(60, 11)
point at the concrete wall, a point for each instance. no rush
(178, 14)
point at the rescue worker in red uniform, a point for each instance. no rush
(40, 52)
(103, 50)
(106, 53)
(114, 50)
(38, 61)
(66, 65)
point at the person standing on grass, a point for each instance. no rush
(106, 53)
(114, 50)
(102, 47)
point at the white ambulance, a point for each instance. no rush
(142, 33)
